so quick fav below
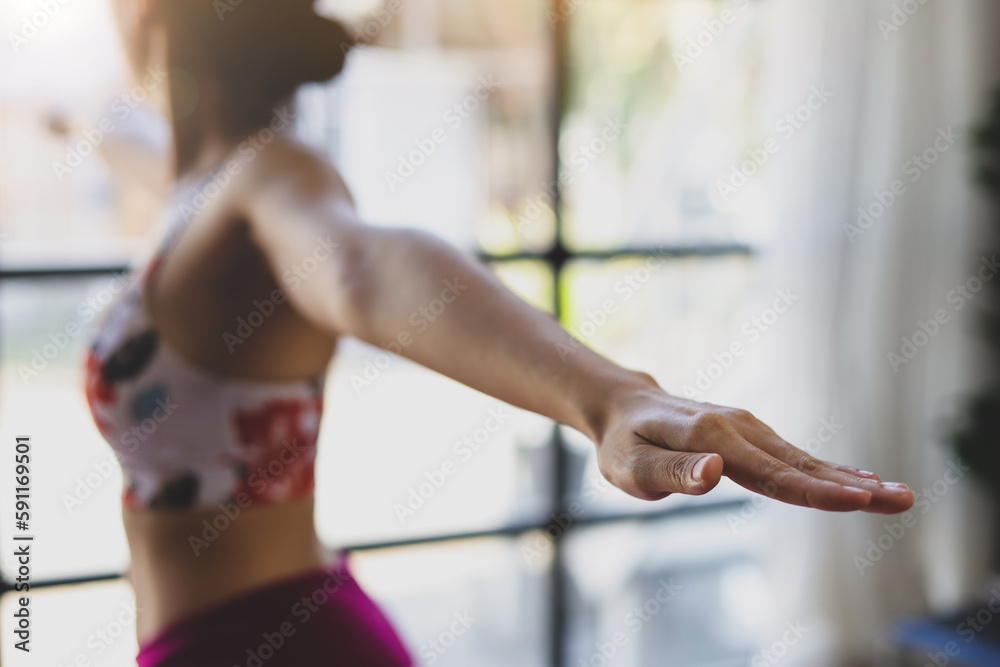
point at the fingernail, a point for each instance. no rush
(699, 468)
(859, 472)
(896, 486)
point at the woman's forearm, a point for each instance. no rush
(415, 295)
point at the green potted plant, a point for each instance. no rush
(975, 432)
(974, 435)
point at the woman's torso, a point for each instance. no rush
(235, 353)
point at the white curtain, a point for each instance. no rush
(900, 79)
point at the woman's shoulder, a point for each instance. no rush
(288, 162)
(290, 181)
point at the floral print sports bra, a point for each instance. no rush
(187, 438)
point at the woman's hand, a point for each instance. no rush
(651, 444)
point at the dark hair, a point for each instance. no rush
(260, 51)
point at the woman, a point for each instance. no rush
(226, 565)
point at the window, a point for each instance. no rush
(567, 147)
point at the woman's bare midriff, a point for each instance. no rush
(180, 566)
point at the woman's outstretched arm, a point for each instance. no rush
(416, 295)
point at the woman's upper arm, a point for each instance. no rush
(303, 220)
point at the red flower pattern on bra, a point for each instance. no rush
(279, 443)
(98, 389)
(130, 499)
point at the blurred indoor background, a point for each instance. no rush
(814, 176)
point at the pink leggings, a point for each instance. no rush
(317, 618)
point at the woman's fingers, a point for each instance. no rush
(886, 498)
(746, 464)
(758, 471)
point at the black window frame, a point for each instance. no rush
(557, 258)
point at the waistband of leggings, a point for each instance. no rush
(198, 621)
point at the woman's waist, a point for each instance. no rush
(183, 562)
